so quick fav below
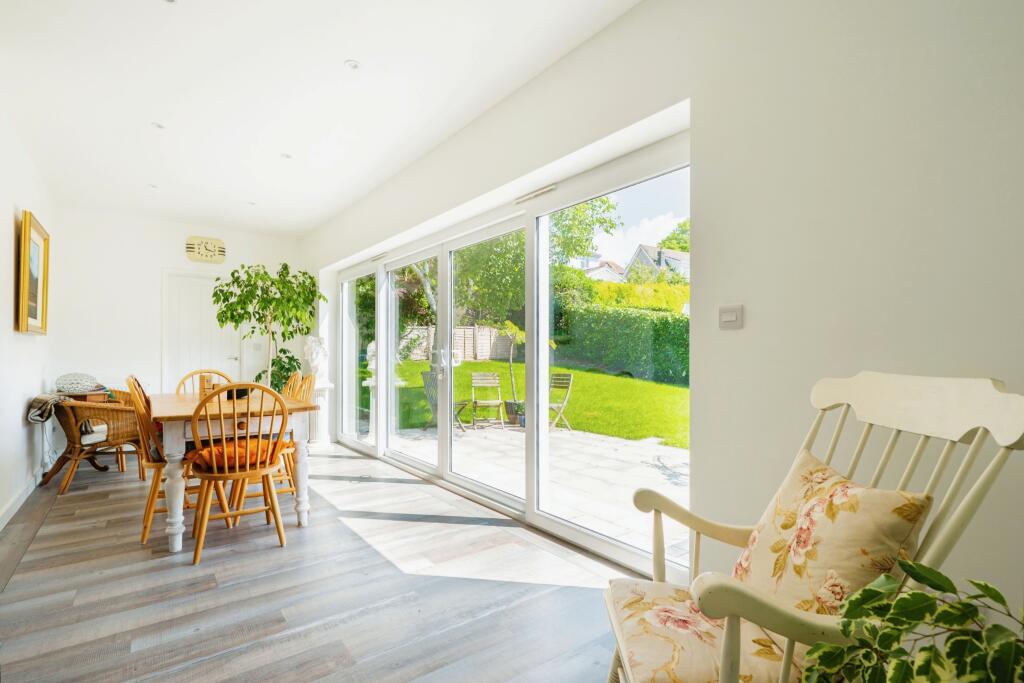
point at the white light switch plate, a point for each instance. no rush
(730, 317)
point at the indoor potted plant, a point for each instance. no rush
(281, 306)
(935, 633)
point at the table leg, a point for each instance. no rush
(174, 484)
(299, 422)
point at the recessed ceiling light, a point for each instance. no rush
(352, 64)
(154, 187)
(286, 155)
(157, 125)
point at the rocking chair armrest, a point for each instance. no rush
(647, 500)
(719, 596)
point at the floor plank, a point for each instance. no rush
(394, 580)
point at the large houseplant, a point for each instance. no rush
(280, 306)
(931, 632)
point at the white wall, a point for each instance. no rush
(107, 279)
(856, 184)
(24, 356)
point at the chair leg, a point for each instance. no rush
(222, 500)
(147, 515)
(271, 493)
(205, 499)
(142, 469)
(203, 485)
(120, 459)
(68, 476)
(56, 468)
(613, 671)
(266, 499)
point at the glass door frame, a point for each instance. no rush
(345, 337)
(659, 158)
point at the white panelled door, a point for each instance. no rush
(192, 339)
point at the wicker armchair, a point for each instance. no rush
(76, 417)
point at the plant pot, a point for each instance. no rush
(522, 420)
(510, 410)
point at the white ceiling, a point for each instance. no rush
(238, 83)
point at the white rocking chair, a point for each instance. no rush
(952, 410)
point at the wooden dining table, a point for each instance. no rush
(174, 413)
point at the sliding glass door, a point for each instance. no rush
(358, 352)
(538, 357)
(414, 360)
(487, 337)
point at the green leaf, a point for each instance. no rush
(956, 614)
(889, 640)
(826, 657)
(990, 591)
(899, 671)
(930, 665)
(856, 606)
(960, 649)
(1004, 659)
(927, 576)
(914, 606)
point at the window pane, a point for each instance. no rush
(618, 295)
(360, 348)
(488, 351)
(415, 386)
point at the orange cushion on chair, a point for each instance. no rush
(254, 451)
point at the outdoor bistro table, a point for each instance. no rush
(175, 414)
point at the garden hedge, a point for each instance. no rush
(646, 344)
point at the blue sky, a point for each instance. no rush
(649, 212)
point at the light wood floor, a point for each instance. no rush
(396, 580)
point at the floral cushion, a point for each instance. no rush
(821, 538)
(256, 451)
(665, 638)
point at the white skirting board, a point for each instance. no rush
(15, 503)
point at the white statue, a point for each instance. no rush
(316, 355)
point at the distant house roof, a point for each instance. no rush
(678, 261)
(613, 271)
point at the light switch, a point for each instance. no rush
(730, 317)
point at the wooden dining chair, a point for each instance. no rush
(292, 385)
(297, 388)
(191, 382)
(237, 440)
(152, 455)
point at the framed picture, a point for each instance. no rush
(33, 275)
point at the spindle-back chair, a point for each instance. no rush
(961, 413)
(151, 455)
(190, 383)
(237, 440)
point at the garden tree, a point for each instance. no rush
(642, 274)
(573, 228)
(281, 306)
(489, 276)
(489, 280)
(516, 336)
(679, 238)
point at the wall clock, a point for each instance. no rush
(205, 249)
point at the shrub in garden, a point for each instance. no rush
(646, 344)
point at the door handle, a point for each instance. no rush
(232, 357)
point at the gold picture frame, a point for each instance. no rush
(33, 275)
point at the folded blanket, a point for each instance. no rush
(40, 409)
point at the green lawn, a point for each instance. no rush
(600, 403)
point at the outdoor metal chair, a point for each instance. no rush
(486, 381)
(563, 381)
